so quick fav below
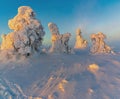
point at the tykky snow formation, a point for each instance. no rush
(27, 34)
(99, 45)
(80, 42)
(60, 42)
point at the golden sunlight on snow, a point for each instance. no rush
(34, 98)
(7, 42)
(93, 68)
(27, 34)
(80, 42)
(90, 91)
(59, 41)
(61, 85)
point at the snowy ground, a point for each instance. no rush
(61, 76)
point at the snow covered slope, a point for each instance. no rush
(61, 76)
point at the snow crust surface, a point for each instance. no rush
(61, 76)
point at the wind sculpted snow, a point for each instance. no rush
(99, 46)
(62, 76)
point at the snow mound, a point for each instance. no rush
(93, 68)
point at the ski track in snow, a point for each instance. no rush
(61, 76)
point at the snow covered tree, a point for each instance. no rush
(59, 41)
(27, 34)
(99, 45)
(80, 42)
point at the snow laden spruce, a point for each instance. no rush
(27, 34)
(26, 38)
(59, 41)
(99, 45)
(80, 42)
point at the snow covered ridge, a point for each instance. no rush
(27, 34)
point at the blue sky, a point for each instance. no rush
(90, 15)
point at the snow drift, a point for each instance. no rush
(65, 76)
